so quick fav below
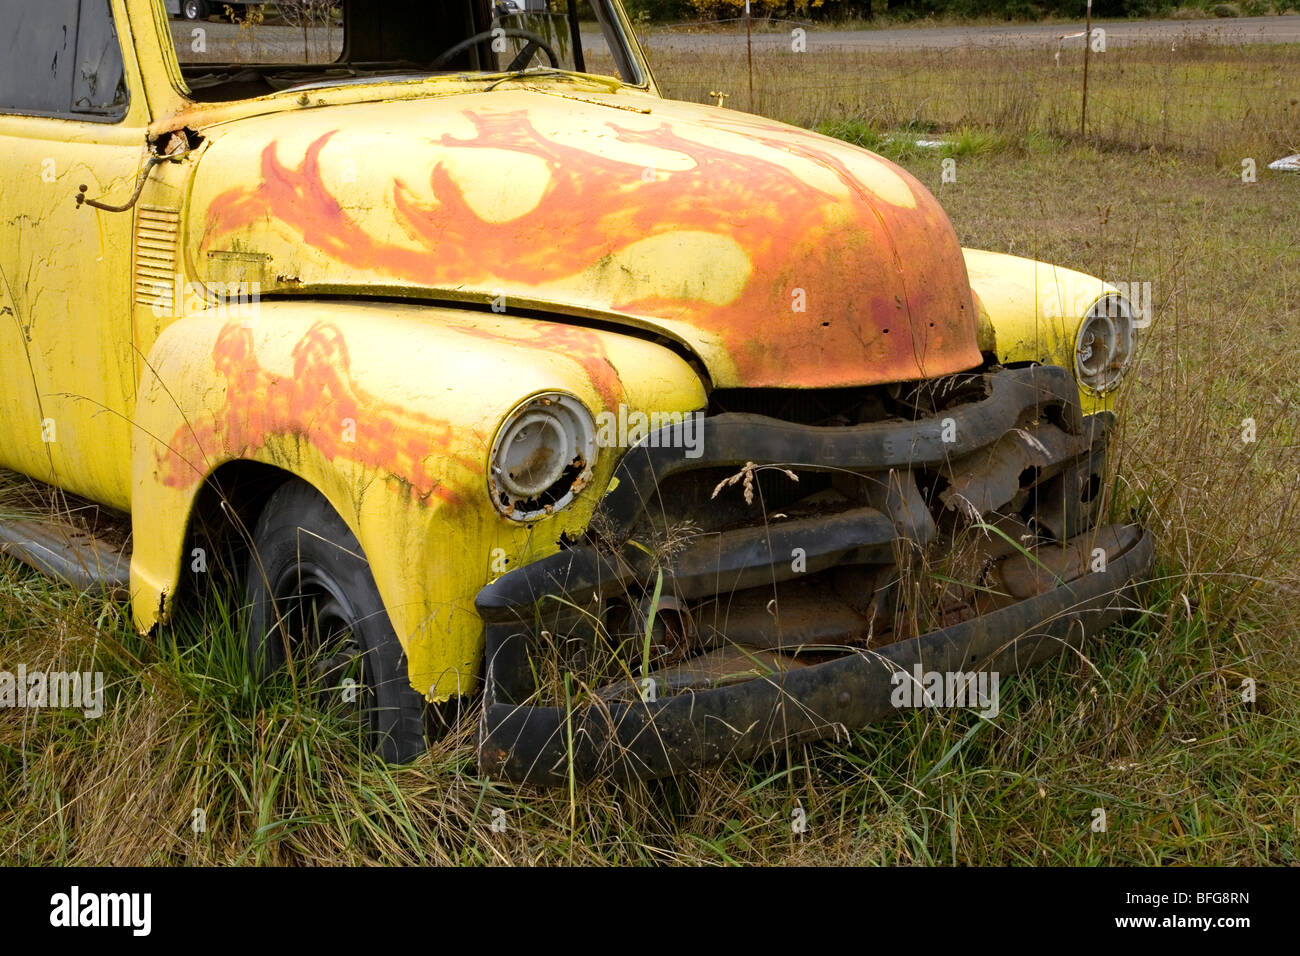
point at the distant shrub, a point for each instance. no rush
(728, 9)
(855, 131)
(658, 9)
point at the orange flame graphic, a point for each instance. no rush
(260, 404)
(867, 267)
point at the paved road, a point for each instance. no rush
(1118, 33)
(277, 41)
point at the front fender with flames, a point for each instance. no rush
(390, 412)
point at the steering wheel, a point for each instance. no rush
(534, 44)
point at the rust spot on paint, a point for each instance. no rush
(315, 403)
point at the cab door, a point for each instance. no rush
(71, 115)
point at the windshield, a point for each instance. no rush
(252, 50)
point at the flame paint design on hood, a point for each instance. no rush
(781, 257)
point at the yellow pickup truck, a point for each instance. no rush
(663, 433)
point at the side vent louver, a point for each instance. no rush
(156, 234)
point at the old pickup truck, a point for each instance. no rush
(659, 434)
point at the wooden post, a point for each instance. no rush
(1087, 47)
(749, 50)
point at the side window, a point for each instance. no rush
(99, 79)
(61, 57)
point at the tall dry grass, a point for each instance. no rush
(1192, 97)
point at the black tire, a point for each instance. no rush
(195, 9)
(331, 623)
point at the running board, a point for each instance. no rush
(68, 553)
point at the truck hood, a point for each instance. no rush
(781, 258)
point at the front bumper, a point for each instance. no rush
(1048, 601)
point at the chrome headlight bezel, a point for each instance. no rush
(542, 456)
(1104, 343)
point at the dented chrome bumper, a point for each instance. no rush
(1026, 427)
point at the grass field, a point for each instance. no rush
(1149, 725)
(1192, 98)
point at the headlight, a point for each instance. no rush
(1104, 347)
(542, 456)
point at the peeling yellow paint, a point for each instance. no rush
(1034, 311)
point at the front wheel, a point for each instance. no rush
(313, 606)
(195, 9)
